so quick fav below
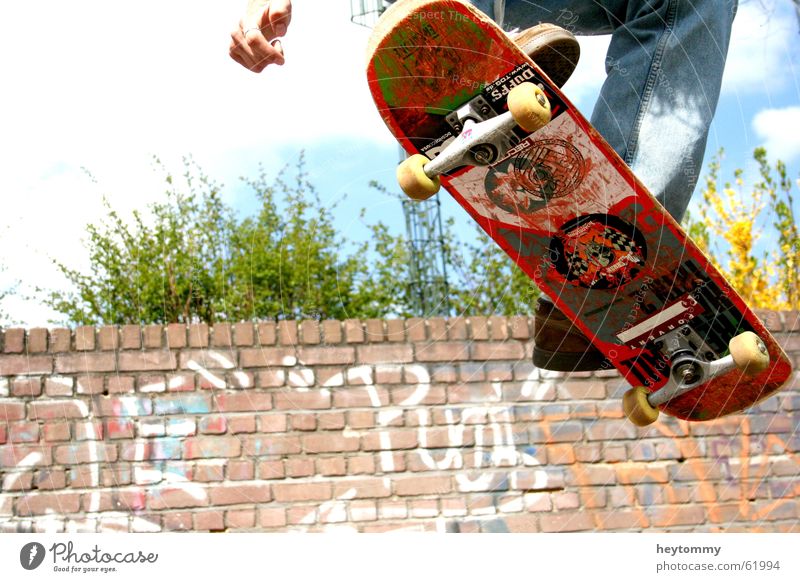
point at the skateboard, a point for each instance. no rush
(480, 118)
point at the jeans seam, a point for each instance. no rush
(650, 82)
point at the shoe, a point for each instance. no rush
(554, 49)
(560, 346)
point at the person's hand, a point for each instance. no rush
(254, 43)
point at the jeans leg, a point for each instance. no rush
(664, 68)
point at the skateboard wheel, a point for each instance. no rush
(638, 410)
(529, 107)
(413, 181)
(749, 353)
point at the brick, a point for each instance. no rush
(497, 351)
(207, 360)
(270, 423)
(327, 356)
(152, 427)
(56, 431)
(604, 430)
(331, 421)
(246, 401)
(267, 357)
(300, 467)
(443, 352)
(37, 340)
(433, 485)
(271, 517)
(84, 453)
(262, 446)
(390, 440)
(46, 503)
(240, 471)
(266, 333)
(208, 521)
(361, 465)
(181, 427)
(329, 443)
(176, 336)
(240, 518)
(270, 470)
(10, 410)
(474, 392)
(60, 340)
(177, 497)
(353, 331)
(621, 519)
(131, 337)
(120, 384)
(395, 330)
(14, 341)
(566, 522)
(303, 400)
(209, 471)
(332, 466)
(287, 333)
(119, 429)
(271, 378)
(355, 397)
(499, 327)
(16, 365)
(147, 361)
(89, 430)
(57, 409)
(304, 422)
(85, 363)
(676, 515)
(198, 335)
(211, 447)
(385, 354)
(293, 492)
(363, 511)
(17, 481)
(187, 403)
(50, 479)
(3, 434)
(26, 387)
(300, 378)
(214, 424)
(125, 406)
(58, 386)
(362, 488)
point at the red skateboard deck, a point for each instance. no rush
(565, 207)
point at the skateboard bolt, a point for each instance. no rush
(762, 347)
(541, 99)
(485, 110)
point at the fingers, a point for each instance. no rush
(254, 44)
(279, 15)
(253, 51)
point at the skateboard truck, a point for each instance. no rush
(481, 139)
(693, 364)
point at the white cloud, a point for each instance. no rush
(762, 57)
(778, 130)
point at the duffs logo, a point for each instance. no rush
(32, 555)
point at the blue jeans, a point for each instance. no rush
(664, 68)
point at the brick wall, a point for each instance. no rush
(369, 425)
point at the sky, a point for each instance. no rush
(100, 87)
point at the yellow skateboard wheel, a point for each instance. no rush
(749, 353)
(413, 181)
(637, 408)
(529, 107)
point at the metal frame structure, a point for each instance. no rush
(429, 291)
